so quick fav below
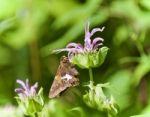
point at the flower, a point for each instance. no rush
(91, 54)
(26, 90)
(96, 98)
(29, 100)
(89, 45)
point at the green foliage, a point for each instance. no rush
(30, 29)
(142, 69)
(121, 91)
(96, 98)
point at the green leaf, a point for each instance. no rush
(121, 35)
(142, 69)
(120, 83)
(144, 115)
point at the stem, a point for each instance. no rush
(140, 48)
(91, 85)
(139, 43)
(36, 114)
(91, 77)
(91, 74)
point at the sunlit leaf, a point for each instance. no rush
(120, 87)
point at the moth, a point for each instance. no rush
(66, 76)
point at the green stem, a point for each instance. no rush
(91, 77)
(140, 48)
(139, 43)
(91, 74)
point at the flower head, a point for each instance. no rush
(26, 90)
(28, 98)
(89, 45)
(96, 98)
(89, 53)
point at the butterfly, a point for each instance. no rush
(66, 76)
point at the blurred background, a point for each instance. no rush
(30, 29)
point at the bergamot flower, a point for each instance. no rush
(92, 54)
(28, 99)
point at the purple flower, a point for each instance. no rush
(89, 45)
(26, 90)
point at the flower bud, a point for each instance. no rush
(96, 98)
(31, 105)
(28, 99)
(90, 59)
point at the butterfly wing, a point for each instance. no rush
(65, 78)
(60, 86)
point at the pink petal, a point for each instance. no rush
(96, 40)
(22, 84)
(19, 90)
(60, 50)
(33, 89)
(87, 25)
(96, 30)
(87, 40)
(96, 46)
(74, 45)
(27, 84)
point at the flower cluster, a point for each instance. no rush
(89, 45)
(91, 54)
(29, 100)
(26, 91)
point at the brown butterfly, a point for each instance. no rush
(66, 77)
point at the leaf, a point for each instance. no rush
(144, 115)
(121, 35)
(145, 4)
(77, 109)
(120, 83)
(142, 69)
